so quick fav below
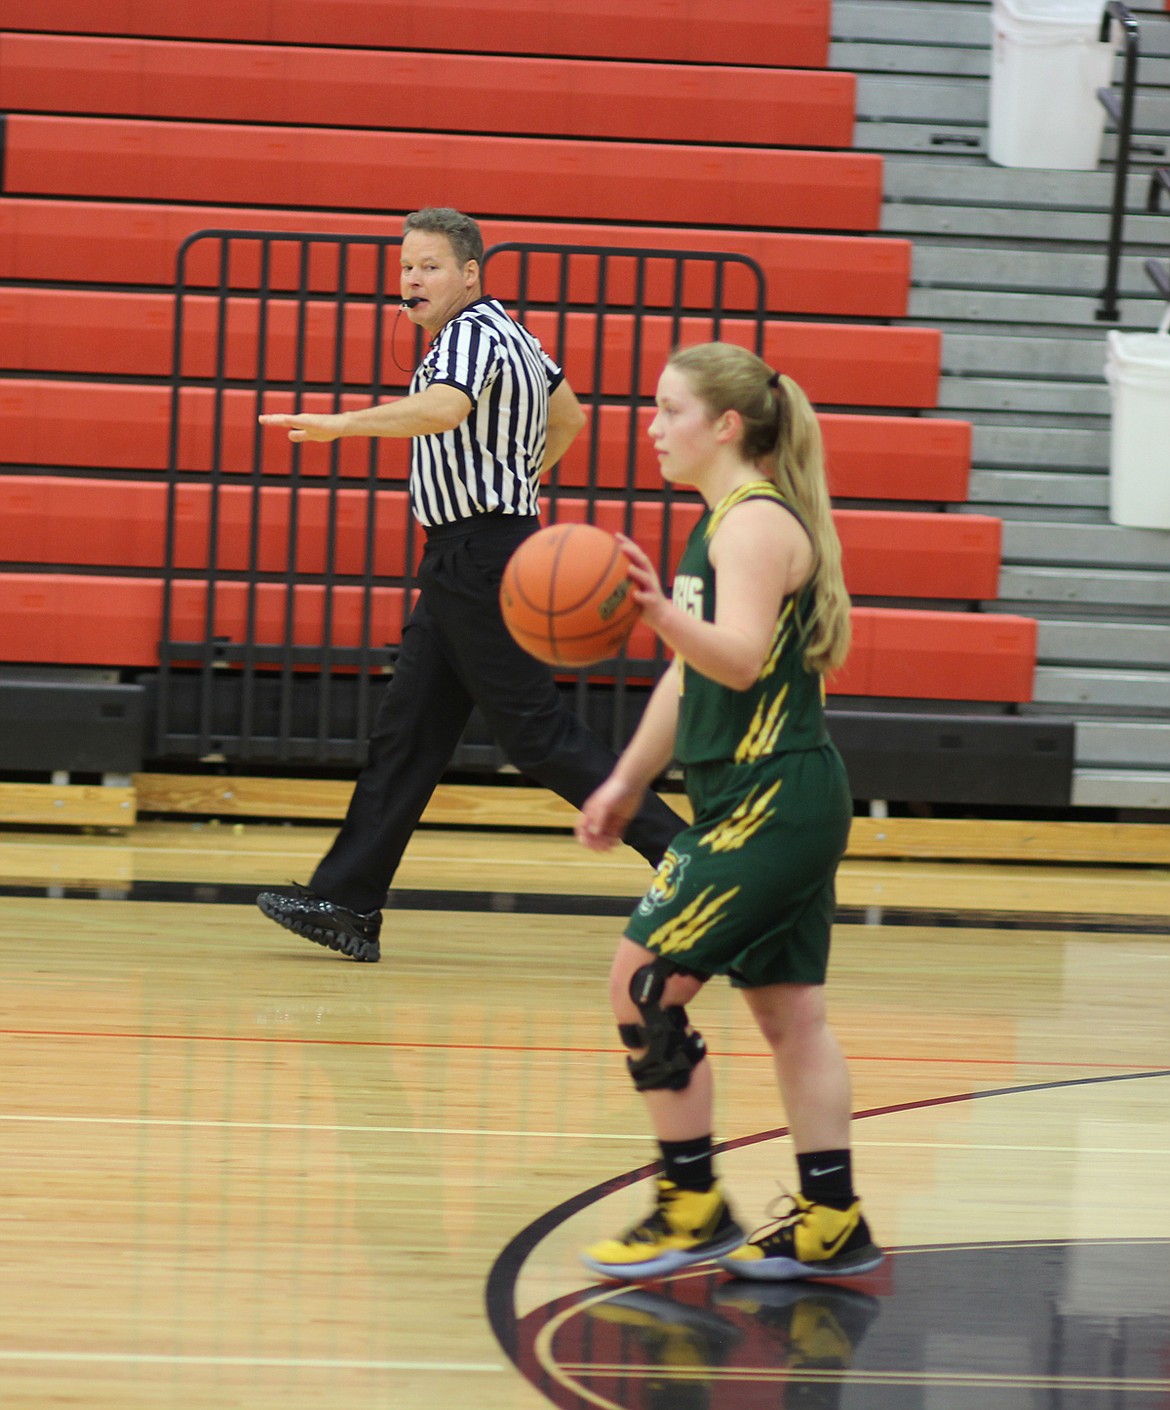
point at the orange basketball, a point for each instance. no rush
(566, 596)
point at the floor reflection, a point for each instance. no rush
(1043, 1326)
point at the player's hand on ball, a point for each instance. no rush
(304, 426)
(648, 592)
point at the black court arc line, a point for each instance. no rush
(500, 1289)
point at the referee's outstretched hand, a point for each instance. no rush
(305, 427)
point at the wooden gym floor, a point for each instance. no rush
(239, 1171)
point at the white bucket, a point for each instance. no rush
(1137, 368)
(1046, 66)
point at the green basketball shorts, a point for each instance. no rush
(747, 890)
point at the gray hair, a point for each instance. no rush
(463, 233)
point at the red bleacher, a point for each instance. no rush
(60, 521)
(131, 334)
(111, 426)
(497, 176)
(690, 31)
(95, 242)
(110, 620)
(117, 621)
(123, 524)
(690, 125)
(938, 656)
(370, 88)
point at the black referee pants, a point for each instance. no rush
(457, 653)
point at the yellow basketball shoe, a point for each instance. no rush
(810, 1241)
(684, 1227)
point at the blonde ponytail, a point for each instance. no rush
(783, 437)
(798, 471)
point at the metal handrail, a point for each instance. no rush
(1122, 114)
(1159, 182)
(253, 663)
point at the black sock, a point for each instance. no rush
(688, 1163)
(826, 1177)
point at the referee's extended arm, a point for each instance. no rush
(427, 413)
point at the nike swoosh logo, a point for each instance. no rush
(831, 1246)
(688, 1159)
(829, 1170)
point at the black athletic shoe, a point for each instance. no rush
(325, 923)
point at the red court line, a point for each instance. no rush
(507, 1048)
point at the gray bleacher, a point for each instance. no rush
(1009, 264)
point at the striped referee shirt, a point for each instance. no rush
(492, 460)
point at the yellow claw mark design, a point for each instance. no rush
(686, 929)
(764, 730)
(779, 640)
(747, 819)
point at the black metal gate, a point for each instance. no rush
(290, 569)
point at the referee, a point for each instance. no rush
(488, 412)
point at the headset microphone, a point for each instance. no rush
(403, 304)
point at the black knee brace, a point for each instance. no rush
(672, 1053)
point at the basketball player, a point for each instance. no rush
(488, 412)
(759, 615)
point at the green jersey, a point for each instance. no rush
(783, 711)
